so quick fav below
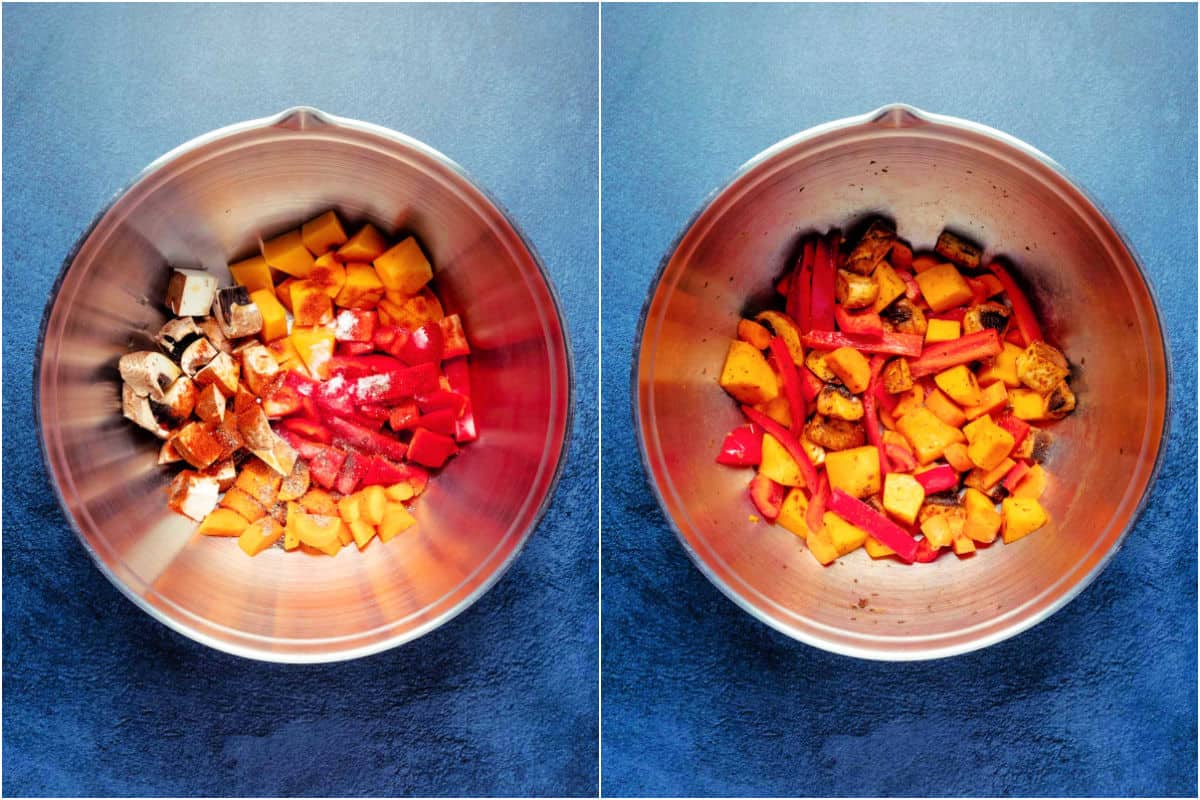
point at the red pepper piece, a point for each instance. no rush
(387, 337)
(925, 553)
(454, 337)
(464, 427)
(404, 416)
(912, 290)
(365, 440)
(374, 412)
(1019, 428)
(901, 256)
(306, 448)
(430, 449)
(353, 470)
(799, 302)
(900, 458)
(742, 447)
(871, 415)
(383, 472)
(425, 345)
(441, 421)
(1015, 475)
(368, 364)
(817, 502)
(789, 442)
(306, 428)
(1014, 336)
(326, 466)
(886, 400)
(279, 400)
(459, 378)
(767, 496)
(979, 294)
(355, 325)
(897, 344)
(334, 396)
(864, 323)
(1026, 319)
(389, 387)
(301, 383)
(953, 315)
(791, 382)
(822, 298)
(943, 355)
(439, 399)
(938, 479)
(885, 531)
(354, 348)
(810, 385)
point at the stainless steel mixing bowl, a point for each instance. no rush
(926, 172)
(206, 203)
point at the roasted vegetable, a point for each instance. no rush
(1042, 367)
(837, 401)
(871, 249)
(896, 377)
(834, 434)
(747, 375)
(903, 316)
(988, 315)
(855, 291)
(1060, 401)
(959, 250)
(850, 367)
(943, 287)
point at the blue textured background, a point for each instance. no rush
(699, 698)
(101, 699)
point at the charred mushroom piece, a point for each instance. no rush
(837, 401)
(833, 433)
(259, 368)
(178, 401)
(988, 315)
(193, 495)
(236, 313)
(190, 292)
(872, 248)
(896, 376)
(855, 291)
(137, 410)
(148, 373)
(212, 329)
(197, 356)
(902, 316)
(176, 335)
(1041, 367)
(1060, 401)
(958, 250)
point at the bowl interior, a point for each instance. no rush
(207, 204)
(926, 173)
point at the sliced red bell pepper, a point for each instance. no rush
(387, 337)
(926, 553)
(864, 323)
(938, 479)
(1023, 313)
(355, 325)
(1014, 476)
(425, 345)
(742, 447)
(390, 387)
(374, 411)
(1018, 428)
(871, 415)
(823, 278)
(1014, 336)
(900, 457)
(353, 349)
(326, 466)
(459, 377)
(901, 256)
(442, 420)
(817, 502)
(352, 472)
(799, 303)
(897, 344)
(979, 293)
(885, 531)
(767, 496)
(953, 315)
(810, 385)
(792, 389)
(383, 472)
(369, 364)
(454, 337)
(439, 399)
(404, 416)
(306, 448)
(430, 449)
(307, 428)
(789, 442)
(783, 285)
(365, 440)
(912, 289)
(943, 355)
(886, 400)
(280, 400)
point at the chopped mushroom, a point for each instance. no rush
(137, 410)
(176, 335)
(148, 373)
(178, 401)
(903, 316)
(958, 250)
(193, 495)
(988, 315)
(855, 291)
(190, 292)
(236, 314)
(1041, 367)
(197, 356)
(1060, 401)
(872, 248)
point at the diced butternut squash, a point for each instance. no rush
(287, 253)
(902, 496)
(329, 274)
(322, 234)
(283, 293)
(913, 398)
(983, 520)
(1003, 367)
(777, 464)
(412, 311)
(851, 367)
(363, 247)
(747, 375)
(317, 530)
(986, 479)
(1028, 405)
(258, 536)
(942, 330)
(956, 456)
(820, 544)
(318, 501)
(362, 531)
(396, 520)
(891, 286)
(345, 536)
(1033, 485)
(987, 443)
(223, 522)
(845, 537)
(348, 508)
(362, 288)
(315, 346)
(937, 530)
(310, 304)
(778, 410)
(854, 471)
(944, 408)
(1021, 517)
(993, 397)
(404, 267)
(400, 492)
(876, 549)
(963, 545)
(960, 385)
(928, 435)
(943, 287)
(259, 481)
(246, 506)
(792, 514)
(253, 273)
(273, 314)
(751, 332)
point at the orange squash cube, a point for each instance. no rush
(260, 535)
(413, 312)
(311, 305)
(273, 314)
(400, 492)
(315, 346)
(253, 273)
(362, 288)
(245, 505)
(404, 268)
(319, 501)
(287, 253)
(322, 234)
(362, 531)
(330, 274)
(223, 522)
(992, 397)
(396, 520)
(927, 434)
(366, 245)
(372, 504)
(850, 365)
(944, 408)
(943, 287)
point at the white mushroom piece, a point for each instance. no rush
(149, 374)
(193, 495)
(197, 356)
(190, 292)
(236, 313)
(178, 400)
(136, 408)
(176, 335)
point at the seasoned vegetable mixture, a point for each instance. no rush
(310, 400)
(896, 403)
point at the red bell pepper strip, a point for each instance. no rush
(953, 315)
(325, 467)
(742, 447)
(886, 400)
(383, 472)
(912, 289)
(885, 531)
(430, 449)
(365, 440)
(943, 355)
(791, 382)
(355, 325)
(306, 448)
(425, 345)
(767, 496)
(1015, 475)
(810, 385)
(789, 442)
(1027, 321)
(871, 415)
(896, 344)
(441, 421)
(307, 429)
(368, 364)
(1019, 428)
(1014, 336)
(352, 472)
(864, 323)
(353, 349)
(404, 416)
(373, 411)
(459, 378)
(815, 518)
(439, 399)
(900, 457)
(901, 256)
(454, 337)
(389, 387)
(979, 293)
(938, 479)
(823, 277)
(926, 553)
(800, 287)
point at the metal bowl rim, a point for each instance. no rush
(304, 657)
(864, 652)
